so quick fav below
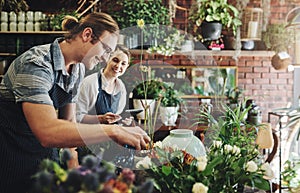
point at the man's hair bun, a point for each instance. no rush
(69, 23)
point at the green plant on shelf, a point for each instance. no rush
(215, 11)
(170, 96)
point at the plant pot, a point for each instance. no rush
(187, 46)
(184, 139)
(254, 119)
(280, 61)
(168, 115)
(211, 30)
(141, 104)
(248, 45)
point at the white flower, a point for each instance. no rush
(201, 163)
(268, 172)
(199, 188)
(158, 144)
(228, 148)
(236, 150)
(144, 163)
(251, 166)
(217, 144)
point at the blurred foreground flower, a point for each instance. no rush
(92, 176)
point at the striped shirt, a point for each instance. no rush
(31, 76)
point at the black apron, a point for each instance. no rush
(106, 102)
(21, 152)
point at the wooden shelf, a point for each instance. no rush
(197, 96)
(246, 53)
(7, 54)
(32, 32)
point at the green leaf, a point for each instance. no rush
(261, 183)
(212, 164)
(166, 170)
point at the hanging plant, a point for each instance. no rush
(279, 39)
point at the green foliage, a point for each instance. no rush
(149, 89)
(170, 96)
(234, 95)
(172, 42)
(277, 37)
(232, 159)
(223, 168)
(153, 12)
(13, 5)
(57, 19)
(290, 175)
(217, 10)
(230, 127)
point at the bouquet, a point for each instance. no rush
(224, 169)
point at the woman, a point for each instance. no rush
(45, 79)
(102, 95)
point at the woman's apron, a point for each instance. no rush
(106, 102)
(21, 152)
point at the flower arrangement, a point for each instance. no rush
(224, 169)
(92, 176)
(232, 159)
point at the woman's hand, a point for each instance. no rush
(109, 118)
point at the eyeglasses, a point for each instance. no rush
(107, 50)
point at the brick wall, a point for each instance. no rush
(268, 87)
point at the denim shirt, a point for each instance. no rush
(31, 76)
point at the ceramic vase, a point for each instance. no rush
(168, 115)
(184, 139)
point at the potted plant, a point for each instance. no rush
(278, 38)
(144, 96)
(218, 14)
(169, 104)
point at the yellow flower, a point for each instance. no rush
(144, 68)
(140, 23)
